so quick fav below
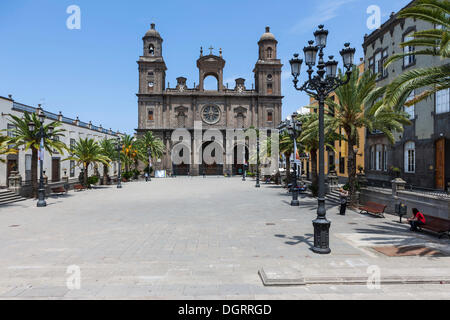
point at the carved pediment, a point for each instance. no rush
(240, 110)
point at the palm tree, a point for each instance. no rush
(309, 138)
(129, 152)
(287, 149)
(5, 148)
(22, 136)
(150, 142)
(350, 114)
(88, 151)
(109, 150)
(433, 42)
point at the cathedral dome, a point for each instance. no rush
(152, 32)
(268, 35)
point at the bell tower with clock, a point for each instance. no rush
(152, 68)
(268, 67)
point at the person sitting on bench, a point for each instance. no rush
(417, 220)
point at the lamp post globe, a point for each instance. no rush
(319, 86)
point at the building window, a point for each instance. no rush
(384, 158)
(269, 88)
(181, 120)
(73, 144)
(269, 53)
(410, 110)
(341, 164)
(384, 72)
(372, 158)
(410, 59)
(371, 65)
(443, 101)
(150, 116)
(270, 116)
(240, 120)
(378, 63)
(378, 157)
(10, 129)
(28, 167)
(72, 169)
(151, 50)
(410, 157)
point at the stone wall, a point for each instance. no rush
(429, 204)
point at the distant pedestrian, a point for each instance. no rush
(417, 220)
(343, 194)
(146, 177)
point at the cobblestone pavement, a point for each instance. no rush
(195, 238)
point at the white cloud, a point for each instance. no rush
(323, 13)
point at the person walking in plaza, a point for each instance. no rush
(146, 177)
(417, 220)
(344, 199)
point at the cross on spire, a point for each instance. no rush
(211, 49)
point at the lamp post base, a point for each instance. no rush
(295, 202)
(41, 204)
(119, 186)
(321, 236)
(41, 199)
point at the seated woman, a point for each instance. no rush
(417, 220)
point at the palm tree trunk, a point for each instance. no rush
(34, 171)
(105, 174)
(85, 178)
(351, 166)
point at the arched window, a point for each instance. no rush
(151, 49)
(410, 157)
(269, 53)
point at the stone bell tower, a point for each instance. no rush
(152, 68)
(268, 67)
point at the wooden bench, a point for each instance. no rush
(79, 187)
(59, 191)
(439, 225)
(373, 208)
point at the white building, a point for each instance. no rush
(54, 166)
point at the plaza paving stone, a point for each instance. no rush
(196, 238)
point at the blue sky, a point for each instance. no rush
(92, 72)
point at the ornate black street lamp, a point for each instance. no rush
(41, 136)
(258, 185)
(293, 128)
(244, 172)
(119, 173)
(149, 153)
(319, 87)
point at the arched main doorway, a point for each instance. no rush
(183, 168)
(238, 166)
(215, 151)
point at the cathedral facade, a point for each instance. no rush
(162, 110)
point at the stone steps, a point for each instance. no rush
(7, 197)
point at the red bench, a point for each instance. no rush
(59, 190)
(79, 187)
(439, 225)
(373, 208)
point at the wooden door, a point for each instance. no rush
(440, 164)
(56, 168)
